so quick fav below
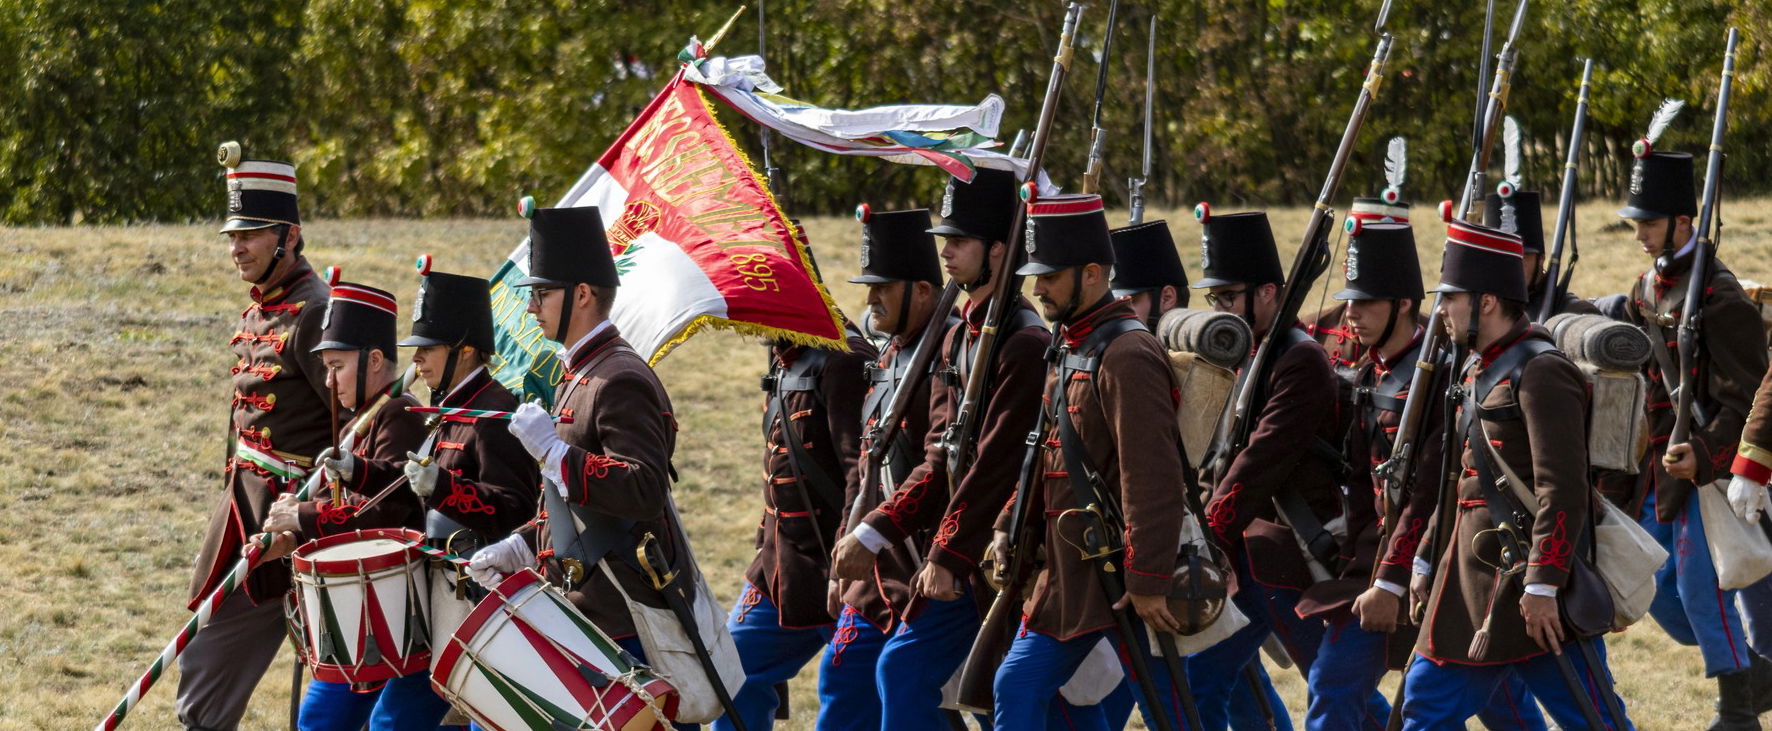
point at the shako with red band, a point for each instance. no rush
(1388, 206)
(261, 193)
(359, 317)
(1482, 260)
(1236, 248)
(1065, 231)
(896, 246)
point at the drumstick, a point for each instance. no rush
(423, 461)
(229, 582)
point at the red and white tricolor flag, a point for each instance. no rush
(698, 239)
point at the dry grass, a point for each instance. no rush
(111, 428)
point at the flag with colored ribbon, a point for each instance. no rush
(699, 242)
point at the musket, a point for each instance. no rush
(1135, 186)
(881, 434)
(1397, 471)
(1311, 261)
(1703, 253)
(1097, 135)
(962, 435)
(1021, 138)
(1556, 283)
(771, 173)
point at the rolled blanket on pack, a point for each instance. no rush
(1600, 341)
(1219, 338)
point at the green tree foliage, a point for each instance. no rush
(109, 111)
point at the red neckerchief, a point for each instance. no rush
(1383, 364)
(1495, 349)
(1079, 329)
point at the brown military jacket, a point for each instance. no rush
(880, 598)
(616, 420)
(793, 562)
(962, 519)
(1546, 446)
(1753, 457)
(281, 419)
(393, 432)
(1124, 414)
(1732, 358)
(1289, 449)
(1329, 328)
(487, 481)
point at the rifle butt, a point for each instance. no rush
(988, 649)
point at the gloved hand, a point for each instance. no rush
(490, 566)
(535, 429)
(339, 466)
(421, 475)
(1748, 498)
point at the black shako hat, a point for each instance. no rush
(1145, 259)
(451, 309)
(1065, 231)
(896, 246)
(1482, 260)
(1520, 214)
(358, 317)
(1381, 263)
(982, 209)
(1661, 186)
(1236, 248)
(261, 193)
(1379, 210)
(568, 246)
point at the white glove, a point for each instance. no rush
(1748, 498)
(490, 566)
(535, 429)
(339, 466)
(421, 475)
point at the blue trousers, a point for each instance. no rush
(1688, 603)
(1027, 683)
(1755, 604)
(918, 659)
(770, 654)
(1217, 672)
(848, 697)
(1344, 686)
(1245, 712)
(402, 704)
(1443, 696)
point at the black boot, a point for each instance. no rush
(1762, 672)
(1735, 703)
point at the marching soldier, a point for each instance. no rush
(479, 484)
(357, 347)
(1523, 494)
(607, 460)
(1107, 466)
(937, 627)
(1275, 507)
(278, 424)
(1363, 606)
(812, 431)
(902, 274)
(1330, 326)
(1688, 602)
(1521, 213)
(1148, 271)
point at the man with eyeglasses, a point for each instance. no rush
(1276, 508)
(279, 423)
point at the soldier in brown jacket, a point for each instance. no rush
(357, 347)
(1494, 605)
(279, 422)
(1369, 630)
(938, 625)
(605, 449)
(1732, 358)
(812, 435)
(1108, 470)
(902, 273)
(1289, 462)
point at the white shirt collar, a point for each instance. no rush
(566, 355)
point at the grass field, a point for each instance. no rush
(113, 351)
